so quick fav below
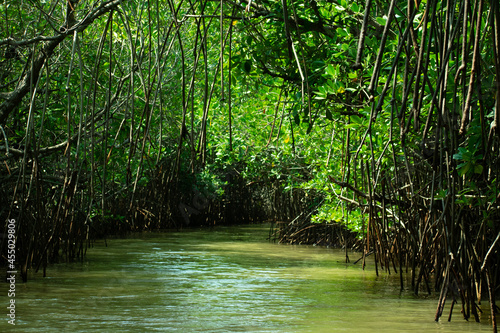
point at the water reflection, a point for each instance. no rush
(220, 281)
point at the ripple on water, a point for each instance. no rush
(220, 281)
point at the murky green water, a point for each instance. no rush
(227, 280)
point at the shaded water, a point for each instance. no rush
(229, 279)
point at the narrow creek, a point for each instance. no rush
(228, 279)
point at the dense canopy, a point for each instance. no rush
(378, 117)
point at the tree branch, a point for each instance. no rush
(14, 98)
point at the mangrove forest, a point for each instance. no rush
(362, 125)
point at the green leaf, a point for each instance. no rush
(331, 71)
(321, 93)
(329, 115)
(248, 66)
(460, 154)
(356, 119)
(381, 20)
(478, 169)
(342, 32)
(296, 118)
(465, 167)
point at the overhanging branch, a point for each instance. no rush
(14, 98)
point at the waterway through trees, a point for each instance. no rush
(227, 279)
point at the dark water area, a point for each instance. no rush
(227, 279)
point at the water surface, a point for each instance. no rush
(228, 279)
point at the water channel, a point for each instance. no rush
(228, 279)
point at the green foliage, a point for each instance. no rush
(292, 110)
(468, 162)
